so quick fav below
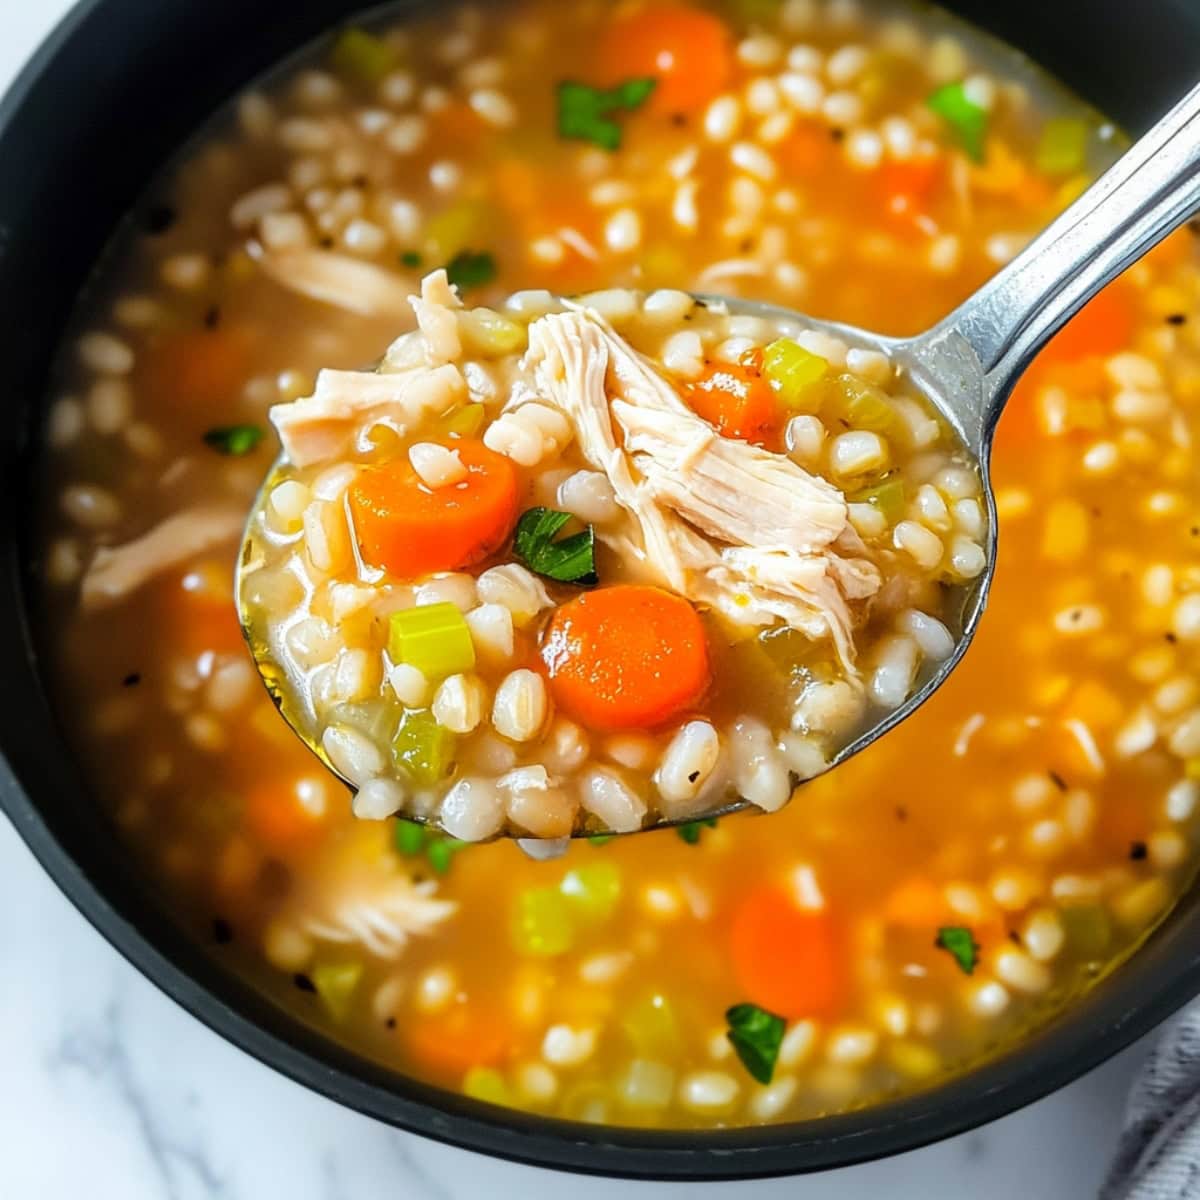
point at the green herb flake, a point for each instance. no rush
(362, 57)
(410, 258)
(958, 941)
(584, 113)
(234, 440)
(966, 119)
(690, 831)
(600, 839)
(441, 852)
(409, 837)
(569, 560)
(756, 1035)
(469, 269)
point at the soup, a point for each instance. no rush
(904, 916)
(694, 636)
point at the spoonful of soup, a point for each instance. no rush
(593, 565)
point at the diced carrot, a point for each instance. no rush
(277, 819)
(738, 402)
(786, 959)
(200, 369)
(689, 52)
(410, 529)
(1101, 327)
(197, 613)
(907, 189)
(1072, 752)
(626, 657)
(805, 150)
(456, 126)
(917, 903)
(450, 1043)
(1093, 704)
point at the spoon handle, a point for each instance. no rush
(1153, 188)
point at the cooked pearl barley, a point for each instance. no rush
(851, 1046)
(567, 1047)
(1181, 800)
(186, 272)
(895, 669)
(623, 230)
(251, 207)
(722, 119)
(287, 503)
(472, 810)
(528, 434)
(1020, 971)
(987, 998)
(857, 452)
(688, 762)
(842, 108)
(409, 684)
(90, 507)
(804, 438)
(934, 639)
(1043, 934)
(491, 628)
(519, 710)
(514, 587)
(771, 1100)
(109, 405)
(494, 107)
(754, 160)
(1185, 620)
(922, 546)
(436, 465)
(864, 149)
(704, 1091)
(353, 755)
(452, 588)
(105, 353)
(589, 495)
(377, 800)
(435, 989)
(536, 803)
(760, 773)
(824, 345)
(606, 795)
(803, 91)
(683, 354)
(459, 702)
(326, 538)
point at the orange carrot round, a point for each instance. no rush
(786, 959)
(626, 657)
(277, 819)
(460, 1038)
(410, 529)
(738, 402)
(689, 52)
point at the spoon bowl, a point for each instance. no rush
(965, 366)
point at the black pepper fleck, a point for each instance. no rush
(212, 317)
(1014, 937)
(901, 813)
(693, 776)
(1177, 318)
(837, 134)
(326, 243)
(390, 1023)
(1170, 637)
(132, 679)
(1058, 781)
(303, 983)
(222, 931)
(1137, 851)
(679, 120)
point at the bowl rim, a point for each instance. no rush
(1127, 1004)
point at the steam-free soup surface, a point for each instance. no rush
(901, 918)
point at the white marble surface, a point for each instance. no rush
(108, 1090)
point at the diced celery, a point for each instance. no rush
(966, 119)
(593, 890)
(335, 984)
(647, 1083)
(489, 334)
(792, 371)
(422, 748)
(1088, 929)
(864, 406)
(486, 1084)
(887, 496)
(466, 421)
(650, 1024)
(784, 647)
(361, 56)
(434, 638)
(409, 837)
(541, 923)
(1062, 148)
(454, 229)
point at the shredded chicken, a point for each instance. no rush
(779, 546)
(115, 572)
(348, 283)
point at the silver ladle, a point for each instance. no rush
(968, 363)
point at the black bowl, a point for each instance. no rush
(102, 105)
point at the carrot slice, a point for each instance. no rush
(197, 614)
(907, 189)
(410, 529)
(1103, 326)
(276, 818)
(201, 369)
(689, 52)
(786, 959)
(738, 401)
(625, 657)
(450, 1043)
(806, 150)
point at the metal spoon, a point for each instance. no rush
(967, 364)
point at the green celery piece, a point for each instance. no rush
(409, 837)
(469, 268)
(960, 944)
(600, 839)
(690, 831)
(449, 232)
(361, 56)
(1088, 929)
(651, 1026)
(542, 925)
(441, 852)
(967, 121)
(792, 371)
(434, 638)
(466, 421)
(234, 440)
(593, 890)
(865, 406)
(1062, 148)
(887, 496)
(335, 984)
(423, 749)
(486, 1084)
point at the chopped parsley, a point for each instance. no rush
(439, 849)
(600, 839)
(234, 439)
(958, 941)
(469, 269)
(410, 258)
(967, 120)
(756, 1035)
(690, 831)
(569, 560)
(586, 113)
